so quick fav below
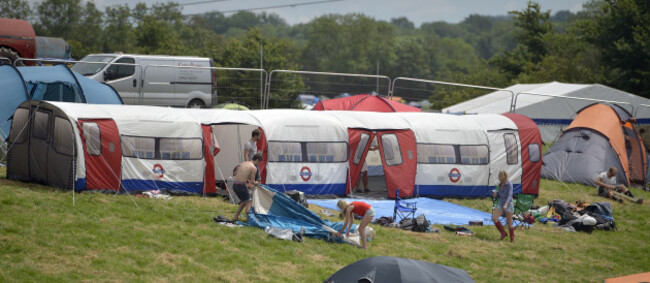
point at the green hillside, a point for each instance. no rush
(44, 237)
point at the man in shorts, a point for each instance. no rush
(250, 149)
(606, 183)
(245, 180)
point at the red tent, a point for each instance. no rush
(364, 102)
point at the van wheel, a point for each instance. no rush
(6, 53)
(196, 103)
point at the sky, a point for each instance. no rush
(417, 11)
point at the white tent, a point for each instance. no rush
(552, 114)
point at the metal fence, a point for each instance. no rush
(284, 86)
(437, 95)
(5, 61)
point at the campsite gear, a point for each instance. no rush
(461, 231)
(523, 202)
(403, 209)
(628, 197)
(501, 230)
(381, 269)
(407, 224)
(383, 221)
(221, 218)
(285, 234)
(512, 234)
(608, 128)
(476, 223)
(420, 224)
(298, 196)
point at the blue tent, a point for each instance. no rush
(274, 209)
(52, 83)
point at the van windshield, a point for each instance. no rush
(88, 69)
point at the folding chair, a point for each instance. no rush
(522, 204)
(403, 209)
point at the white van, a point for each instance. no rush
(153, 79)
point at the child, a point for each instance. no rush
(360, 208)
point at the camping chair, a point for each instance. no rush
(403, 209)
(522, 203)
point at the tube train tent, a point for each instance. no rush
(552, 114)
(138, 148)
(54, 83)
(601, 136)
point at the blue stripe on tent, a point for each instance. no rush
(147, 185)
(460, 191)
(643, 121)
(80, 185)
(311, 189)
(539, 121)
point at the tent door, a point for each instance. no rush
(102, 153)
(359, 144)
(505, 154)
(399, 157)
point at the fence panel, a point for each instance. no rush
(5, 61)
(284, 86)
(442, 96)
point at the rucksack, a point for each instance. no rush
(421, 223)
(407, 223)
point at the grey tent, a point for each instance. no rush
(601, 136)
(394, 269)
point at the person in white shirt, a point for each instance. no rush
(606, 183)
(250, 149)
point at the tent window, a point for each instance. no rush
(436, 154)
(326, 152)
(139, 147)
(533, 152)
(41, 123)
(115, 72)
(512, 151)
(93, 137)
(180, 149)
(63, 136)
(358, 153)
(474, 154)
(284, 152)
(18, 128)
(392, 153)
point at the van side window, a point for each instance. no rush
(115, 72)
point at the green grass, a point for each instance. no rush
(43, 237)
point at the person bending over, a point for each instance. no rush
(359, 208)
(245, 180)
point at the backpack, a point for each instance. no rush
(421, 223)
(407, 223)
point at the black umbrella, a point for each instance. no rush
(394, 269)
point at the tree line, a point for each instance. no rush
(608, 42)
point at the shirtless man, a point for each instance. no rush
(245, 179)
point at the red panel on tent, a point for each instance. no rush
(364, 102)
(529, 137)
(103, 160)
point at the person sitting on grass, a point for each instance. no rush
(359, 208)
(606, 184)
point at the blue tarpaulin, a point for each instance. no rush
(436, 211)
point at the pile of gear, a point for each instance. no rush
(580, 217)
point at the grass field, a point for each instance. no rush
(43, 237)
